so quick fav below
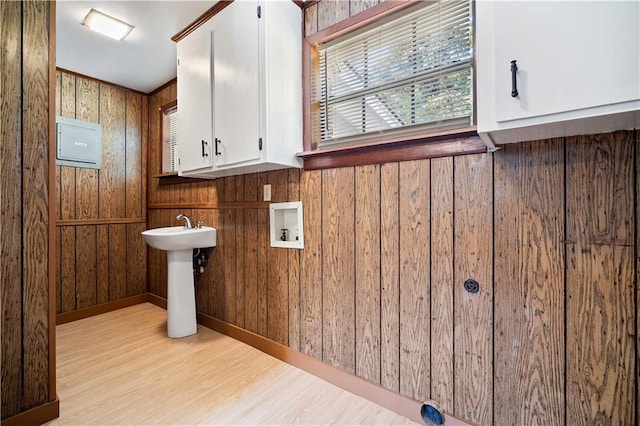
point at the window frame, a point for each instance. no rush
(165, 110)
(424, 145)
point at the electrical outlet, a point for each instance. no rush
(267, 193)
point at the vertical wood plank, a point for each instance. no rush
(113, 173)
(367, 263)
(239, 254)
(217, 291)
(277, 270)
(144, 152)
(58, 269)
(293, 263)
(389, 277)
(67, 174)
(85, 266)
(58, 112)
(473, 364)
(442, 282)
(11, 208)
(311, 19)
(251, 270)
(601, 356)
(338, 280)
(117, 262)
(331, 12)
(68, 268)
(35, 222)
(637, 204)
(102, 263)
(133, 155)
(529, 284)
(414, 193)
(136, 253)
(229, 236)
(251, 187)
(357, 6)
(262, 262)
(311, 265)
(87, 107)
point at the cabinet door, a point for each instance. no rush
(194, 101)
(236, 83)
(570, 55)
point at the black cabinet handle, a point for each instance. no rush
(514, 84)
(218, 141)
(204, 154)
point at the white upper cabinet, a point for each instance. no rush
(253, 95)
(194, 101)
(578, 68)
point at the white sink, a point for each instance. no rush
(178, 238)
(181, 297)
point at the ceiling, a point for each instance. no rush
(145, 60)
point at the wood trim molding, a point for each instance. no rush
(395, 151)
(88, 77)
(229, 205)
(52, 194)
(160, 302)
(359, 20)
(100, 309)
(307, 3)
(115, 221)
(393, 401)
(35, 416)
(164, 86)
(214, 10)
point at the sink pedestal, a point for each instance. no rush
(181, 296)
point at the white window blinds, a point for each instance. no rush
(170, 141)
(407, 75)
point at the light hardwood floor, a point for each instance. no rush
(121, 368)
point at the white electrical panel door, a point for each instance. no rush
(194, 101)
(236, 77)
(570, 55)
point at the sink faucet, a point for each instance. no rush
(185, 218)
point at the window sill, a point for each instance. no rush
(445, 144)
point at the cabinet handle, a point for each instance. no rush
(218, 141)
(204, 154)
(514, 84)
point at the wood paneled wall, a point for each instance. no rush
(548, 229)
(28, 336)
(101, 254)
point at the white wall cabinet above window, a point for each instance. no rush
(240, 91)
(578, 68)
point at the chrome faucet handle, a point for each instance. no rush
(199, 223)
(185, 218)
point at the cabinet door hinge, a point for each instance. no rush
(260, 144)
(259, 11)
(178, 62)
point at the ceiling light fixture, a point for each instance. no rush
(106, 25)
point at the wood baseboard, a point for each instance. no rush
(101, 309)
(160, 302)
(35, 416)
(393, 401)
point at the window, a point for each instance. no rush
(402, 77)
(169, 115)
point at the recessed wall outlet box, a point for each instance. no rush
(267, 193)
(286, 227)
(78, 143)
